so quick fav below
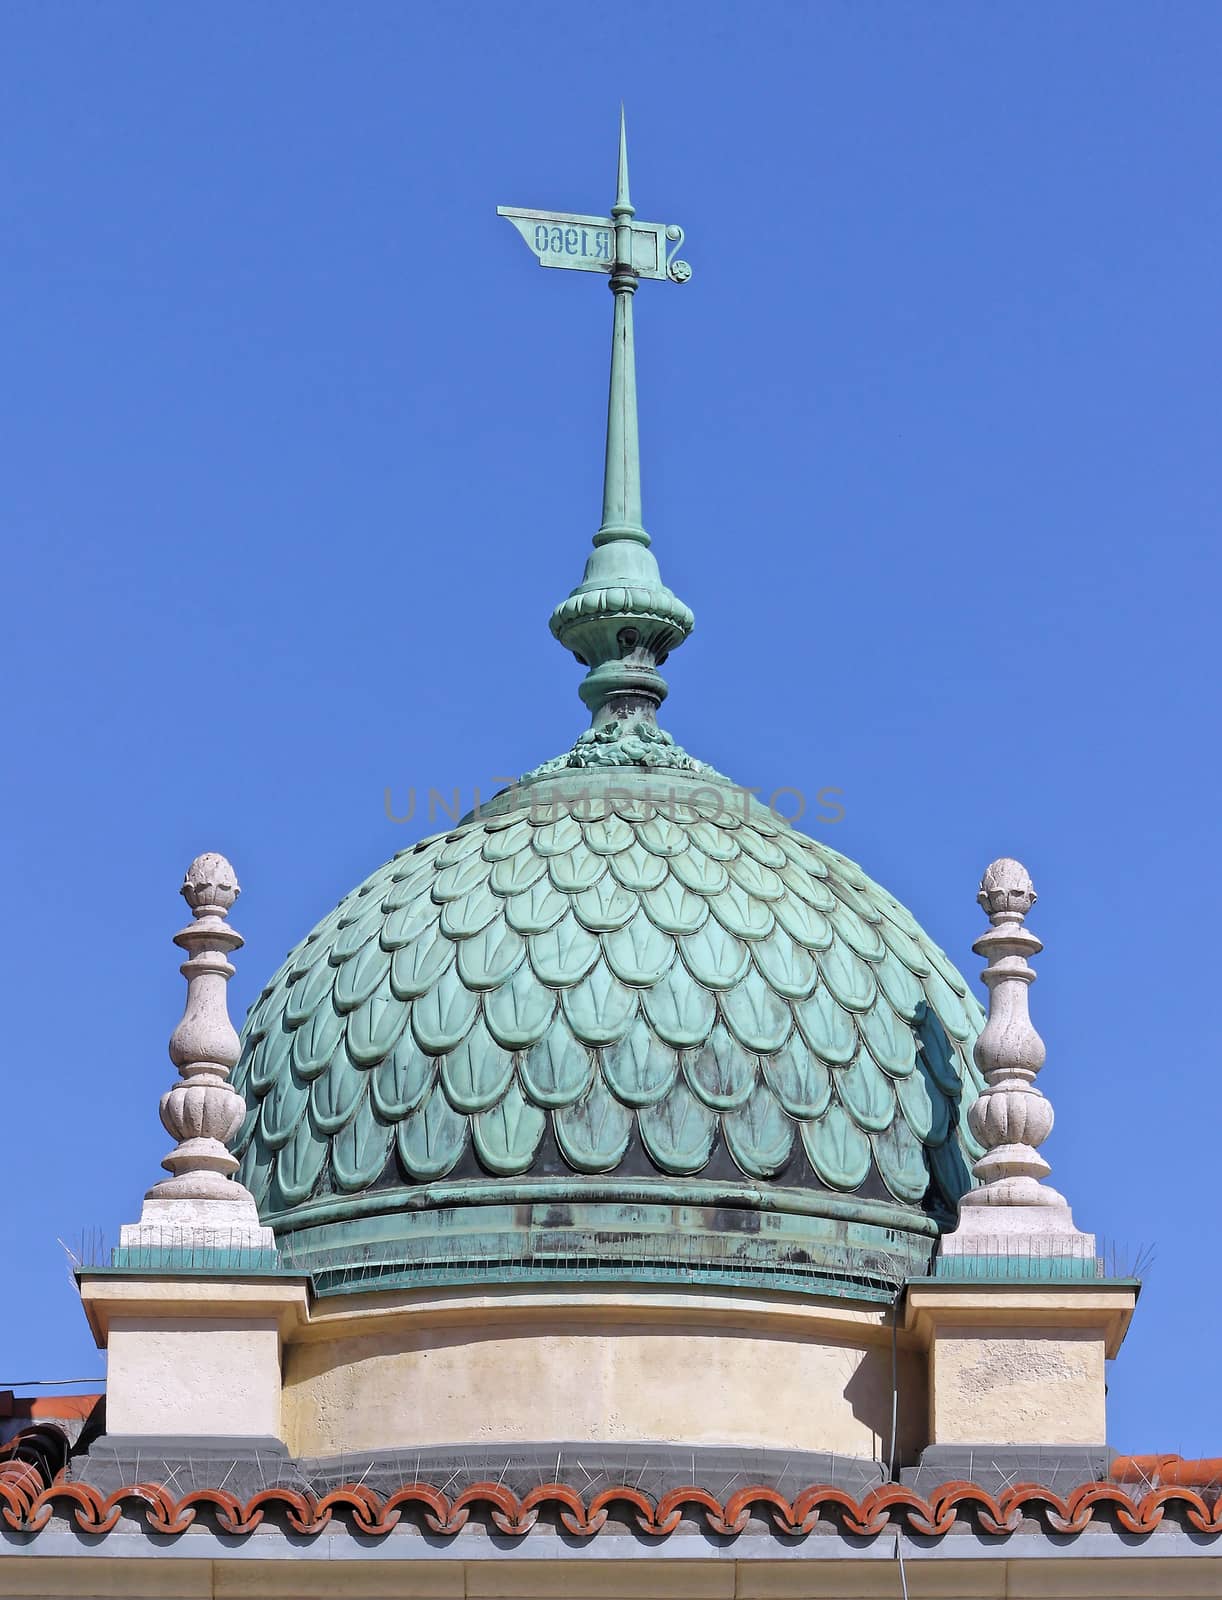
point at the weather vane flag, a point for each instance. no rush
(603, 244)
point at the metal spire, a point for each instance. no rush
(621, 621)
(622, 476)
(623, 202)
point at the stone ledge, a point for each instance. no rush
(1103, 1305)
(106, 1295)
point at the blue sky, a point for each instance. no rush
(300, 448)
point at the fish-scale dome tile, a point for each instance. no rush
(827, 1027)
(638, 953)
(415, 967)
(593, 1131)
(408, 919)
(431, 1138)
(562, 956)
(679, 1011)
(553, 1073)
(457, 847)
(299, 1163)
(539, 908)
(899, 1158)
(702, 874)
(359, 1150)
(720, 1072)
(758, 1017)
(336, 1093)
(508, 1133)
(785, 965)
(801, 1082)
(519, 1012)
(600, 1008)
(903, 993)
(606, 906)
(803, 923)
(641, 1067)
(361, 975)
(865, 1092)
(661, 836)
(888, 1040)
(717, 844)
(714, 958)
(443, 1015)
(837, 1148)
(675, 909)
(620, 983)
(400, 1083)
(678, 1132)
(761, 849)
(477, 1073)
(742, 914)
(374, 1028)
(315, 1041)
(759, 1135)
(472, 912)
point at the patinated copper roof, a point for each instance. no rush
(620, 988)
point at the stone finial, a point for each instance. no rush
(203, 1111)
(1012, 1117)
(200, 1203)
(1006, 888)
(211, 885)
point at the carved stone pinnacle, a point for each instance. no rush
(1012, 1117)
(200, 1203)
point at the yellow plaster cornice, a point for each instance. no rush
(105, 1296)
(930, 1307)
(355, 1316)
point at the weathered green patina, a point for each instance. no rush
(626, 1022)
(613, 998)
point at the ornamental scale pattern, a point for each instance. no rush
(617, 979)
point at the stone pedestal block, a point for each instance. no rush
(198, 1356)
(1017, 1364)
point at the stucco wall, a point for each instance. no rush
(193, 1375)
(1020, 1386)
(611, 1368)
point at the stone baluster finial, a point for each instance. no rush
(1012, 1117)
(203, 1111)
(201, 1204)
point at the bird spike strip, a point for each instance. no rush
(27, 1506)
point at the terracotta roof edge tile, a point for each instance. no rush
(28, 1503)
(1169, 1471)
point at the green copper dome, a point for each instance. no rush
(626, 1022)
(611, 1025)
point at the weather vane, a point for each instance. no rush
(621, 622)
(626, 250)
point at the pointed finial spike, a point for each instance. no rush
(623, 203)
